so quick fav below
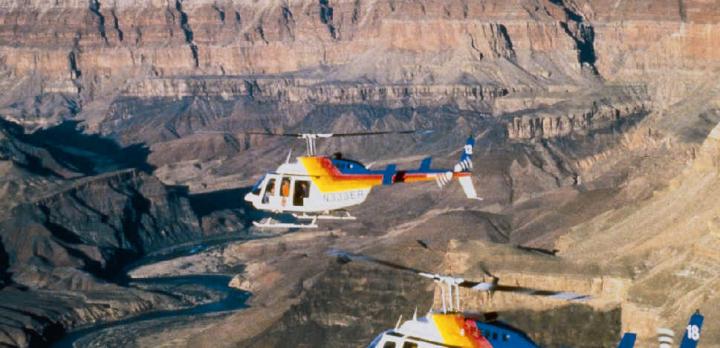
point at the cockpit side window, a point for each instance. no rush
(269, 191)
(389, 344)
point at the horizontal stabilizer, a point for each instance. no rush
(468, 188)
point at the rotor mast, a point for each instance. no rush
(311, 141)
(450, 300)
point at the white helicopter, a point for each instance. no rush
(321, 187)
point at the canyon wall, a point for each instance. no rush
(565, 97)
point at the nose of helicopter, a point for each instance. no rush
(250, 197)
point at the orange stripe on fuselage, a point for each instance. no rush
(329, 179)
(417, 177)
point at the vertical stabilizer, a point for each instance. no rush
(465, 163)
(628, 340)
(692, 331)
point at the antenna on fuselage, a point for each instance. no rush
(287, 160)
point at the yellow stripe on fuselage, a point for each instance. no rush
(451, 329)
(328, 179)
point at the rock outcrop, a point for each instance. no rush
(550, 125)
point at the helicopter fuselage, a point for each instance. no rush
(316, 184)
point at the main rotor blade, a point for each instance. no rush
(494, 286)
(560, 295)
(487, 272)
(269, 134)
(292, 135)
(375, 133)
(345, 257)
(317, 135)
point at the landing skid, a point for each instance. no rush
(272, 223)
(345, 215)
(311, 218)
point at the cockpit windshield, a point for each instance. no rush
(257, 186)
(375, 342)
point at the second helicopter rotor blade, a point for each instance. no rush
(491, 287)
(345, 257)
(560, 295)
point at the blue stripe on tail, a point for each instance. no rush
(425, 164)
(465, 163)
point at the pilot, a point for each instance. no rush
(270, 191)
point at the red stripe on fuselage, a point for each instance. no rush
(335, 173)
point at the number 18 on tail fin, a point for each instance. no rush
(692, 331)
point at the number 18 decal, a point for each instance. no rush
(693, 332)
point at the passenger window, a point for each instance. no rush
(409, 345)
(389, 344)
(285, 187)
(269, 190)
(494, 336)
(302, 191)
(506, 337)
